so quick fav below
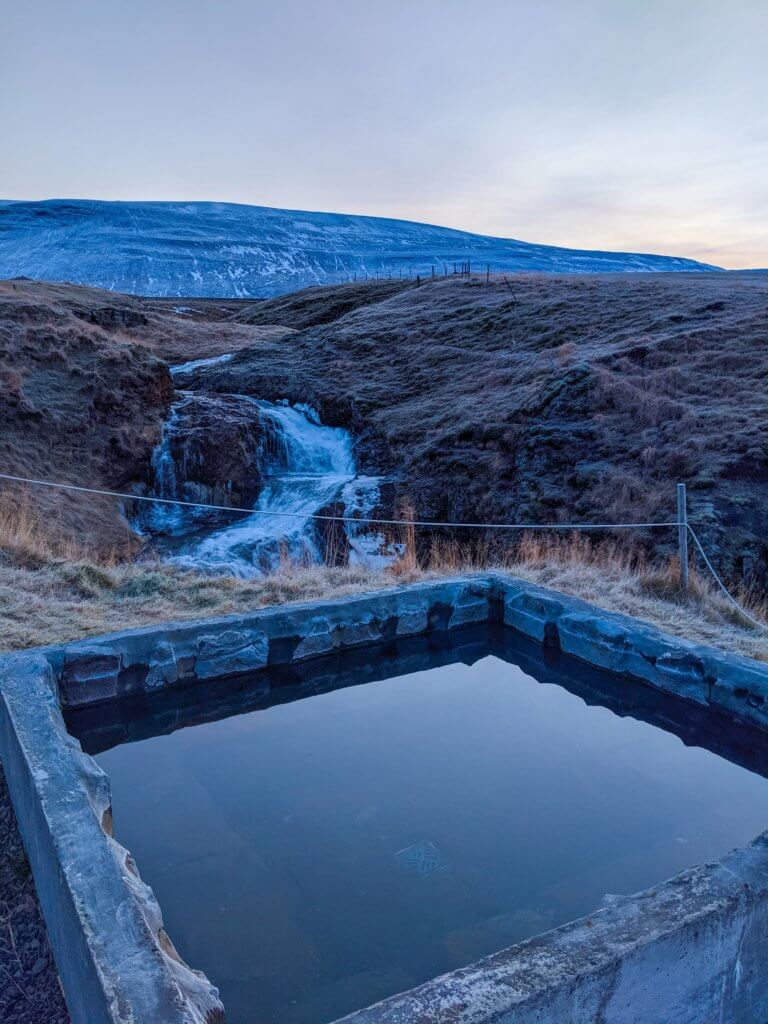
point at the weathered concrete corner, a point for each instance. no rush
(687, 951)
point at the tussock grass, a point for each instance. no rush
(32, 537)
(62, 601)
(52, 591)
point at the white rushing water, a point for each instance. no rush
(367, 546)
(308, 466)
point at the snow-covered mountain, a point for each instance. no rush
(228, 250)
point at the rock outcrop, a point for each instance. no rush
(86, 388)
(216, 445)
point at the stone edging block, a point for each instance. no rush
(629, 647)
(173, 654)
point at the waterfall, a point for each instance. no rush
(367, 545)
(164, 519)
(170, 481)
(304, 465)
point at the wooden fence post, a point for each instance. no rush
(682, 536)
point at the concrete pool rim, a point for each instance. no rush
(687, 944)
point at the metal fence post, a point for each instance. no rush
(682, 535)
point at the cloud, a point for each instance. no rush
(596, 124)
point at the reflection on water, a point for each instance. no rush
(346, 833)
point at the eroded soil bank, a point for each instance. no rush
(536, 399)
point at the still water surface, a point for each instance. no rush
(317, 855)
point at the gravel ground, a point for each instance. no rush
(29, 984)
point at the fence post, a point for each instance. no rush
(682, 536)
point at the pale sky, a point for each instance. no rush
(616, 124)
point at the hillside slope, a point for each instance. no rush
(573, 399)
(566, 399)
(228, 250)
(85, 390)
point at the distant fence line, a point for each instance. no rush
(420, 270)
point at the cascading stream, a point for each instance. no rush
(304, 466)
(309, 467)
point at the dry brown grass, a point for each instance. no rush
(619, 577)
(51, 592)
(33, 538)
(65, 600)
(54, 590)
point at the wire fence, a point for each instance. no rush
(680, 524)
(419, 270)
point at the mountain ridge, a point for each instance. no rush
(209, 249)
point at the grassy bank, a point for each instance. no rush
(50, 593)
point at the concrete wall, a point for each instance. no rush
(636, 650)
(176, 654)
(685, 951)
(115, 962)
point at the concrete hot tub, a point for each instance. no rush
(463, 781)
